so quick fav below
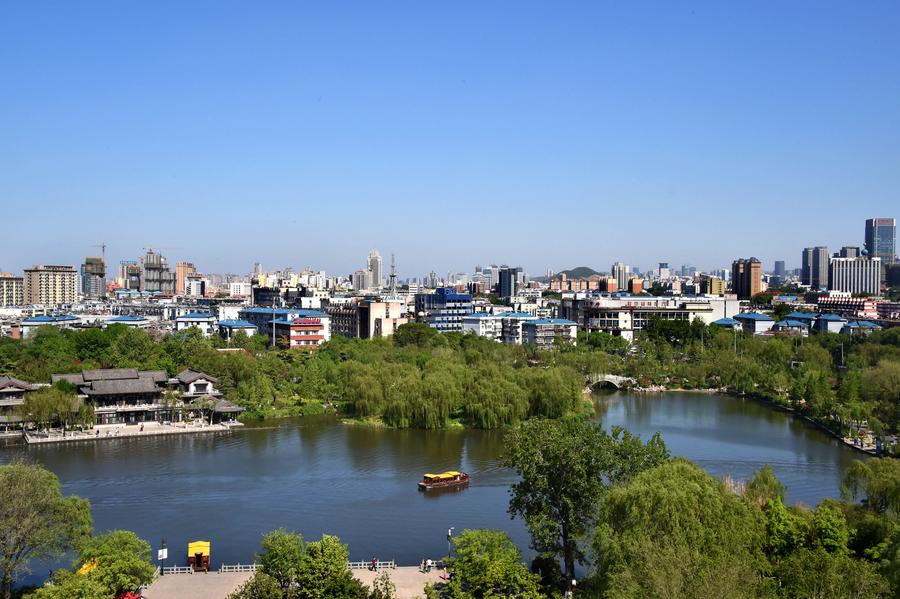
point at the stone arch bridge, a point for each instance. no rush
(609, 379)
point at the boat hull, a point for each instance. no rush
(441, 485)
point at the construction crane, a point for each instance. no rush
(102, 246)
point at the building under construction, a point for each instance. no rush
(155, 274)
(93, 277)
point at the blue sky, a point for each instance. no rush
(454, 134)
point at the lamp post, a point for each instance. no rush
(449, 536)
(161, 555)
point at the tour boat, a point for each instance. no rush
(443, 480)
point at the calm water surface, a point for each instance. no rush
(315, 475)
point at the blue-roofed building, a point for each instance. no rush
(859, 327)
(444, 309)
(791, 327)
(129, 320)
(544, 332)
(807, 318)
(204, 321)
(262, 319)
(62, 321)
(727, 323)
(755, 323)
(830, 323)
(230, 327)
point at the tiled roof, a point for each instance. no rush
(75, 379)
(831, 317)
(236, 323)
(726, 322)
(109, 374)
(188, 376)
(754, 316)
(122, 387)
(8, 382)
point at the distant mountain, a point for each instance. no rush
(579, 272)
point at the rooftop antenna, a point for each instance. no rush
(393, 276)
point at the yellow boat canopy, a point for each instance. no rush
(195, 547)
(449, 474)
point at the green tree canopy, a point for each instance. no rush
(488, 564)
(323, 572)
(564, 468)
(675, 531)
(877, 482)
(36, 520)
(121, 559)
(260, 586)
(282, 552)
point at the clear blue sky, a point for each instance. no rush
(548, 134)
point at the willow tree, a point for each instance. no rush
(566, 466)
(36, 521)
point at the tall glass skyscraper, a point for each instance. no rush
(881, 239)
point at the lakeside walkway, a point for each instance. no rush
(409, 580)
(119, 431)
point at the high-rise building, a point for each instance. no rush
(746, 277)
(374, 264)
(361, 279)
(848, 251)
(712, 285)
(155, 274)
(444, 309)
(50, 285)
(881, 239)
(664, 272)
(622, 273)
(182, 271)
(814, 267)
(779, 269)
(509, 279)
(11, 290)
(93, 277)
(855, 275)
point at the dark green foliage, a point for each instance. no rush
(876, 482)
(260, 586)
(122, 561)
(488, 564)
(675, 531)
(36, 521)
(565, 467)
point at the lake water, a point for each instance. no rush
(316, 475)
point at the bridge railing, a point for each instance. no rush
(177, 570)
(239, 568)
(379, 565)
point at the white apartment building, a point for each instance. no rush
(855, 275)
(626, 315)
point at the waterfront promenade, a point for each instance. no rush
(119, 431)
(409, 580)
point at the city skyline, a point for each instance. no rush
(307, 135)
(173, 255)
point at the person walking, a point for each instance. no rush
(374, 564)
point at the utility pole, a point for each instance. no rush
(274, 299)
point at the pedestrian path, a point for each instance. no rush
(409, 580)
